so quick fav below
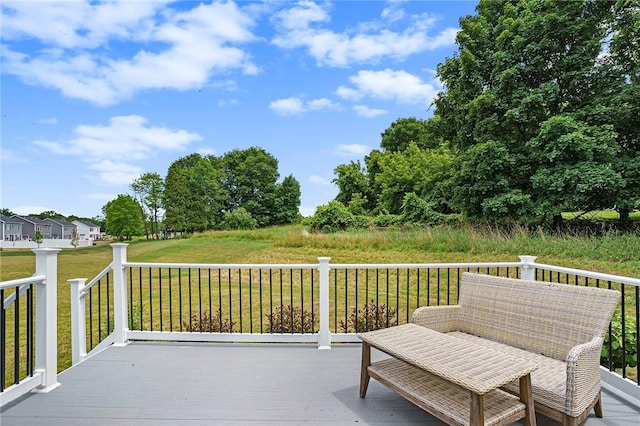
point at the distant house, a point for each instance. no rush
(87, 230)
(60, 228)
(10, 229)
(32, 224)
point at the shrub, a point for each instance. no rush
(370, 317)
(209, 324)
(419, 211)
(616, 339)
(290, 319)
(239, 218)
(332, 217)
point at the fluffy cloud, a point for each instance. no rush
(175, 50)
(371, 44)
(389, 85)
(366, 112)
(352, 150)
(110, 151)
(296, 105)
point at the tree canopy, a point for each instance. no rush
(538, 115)
(124, 217)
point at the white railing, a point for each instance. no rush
(44, 376)
(526, 268)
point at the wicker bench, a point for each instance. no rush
(558, 327)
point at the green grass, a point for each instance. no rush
(610, 253)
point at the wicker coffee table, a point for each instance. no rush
(452, 379)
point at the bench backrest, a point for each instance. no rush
(542, 317)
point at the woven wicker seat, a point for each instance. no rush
(558, 327)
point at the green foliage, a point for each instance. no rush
(332, 217)
(539, 117)
(199, 190)
(209, 323)
(416, 210)
(238, 219)
(124, 217)
(615, 339)
(149, 190)
(368, 318)
(37, 237)
(290, 319)
(387, 220)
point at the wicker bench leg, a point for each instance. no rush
(598, 407)
(364, 371)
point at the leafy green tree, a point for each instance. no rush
(332, 217)
(250, 177)
(38, 237)
(149, 190)
(353, 181)
(411, 171)
(6, 212)
(123, 217)
(520, 64)
(287, 206)
(405, 131)
(194, 198)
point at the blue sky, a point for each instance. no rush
(95, 93)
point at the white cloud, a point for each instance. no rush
(297, 105)
(176, 50)
(365, 111)
(352, 150)
(109, 150)
(389, 85)
(373, 43)
(320, 180)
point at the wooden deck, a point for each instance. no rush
(234, 384)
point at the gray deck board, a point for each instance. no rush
(233, 384)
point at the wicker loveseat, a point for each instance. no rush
(559, 327)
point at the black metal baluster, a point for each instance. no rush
(261, 310)
(30, 334)
(250, 301)
(160, 296)
(130, 298)
(140, 296)
(190, 307)
(240, 297)
(170, 302)
(211, 303)
(291, 297)
(302, 300)
(180, 297)
(150, 301)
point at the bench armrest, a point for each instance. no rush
(438, 318)
(583, 375)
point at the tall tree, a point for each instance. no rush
(193, 196)
(520, 64)
(287, 205)
(149, 190)
(123, 217)
(250, 177)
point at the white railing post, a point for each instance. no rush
(47, 318)
(78, 322)
(528, 268)
(324, 336)
(119, 294)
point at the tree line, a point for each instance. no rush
(239, 190)
(538, 116)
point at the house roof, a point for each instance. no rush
(32, 219)
(61, 222)
(7, 219)
(90, 224)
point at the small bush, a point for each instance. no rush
(370, 317)
(616, 339)
(290, 319)
(332, 217)
(239, 218)
(209, 324)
